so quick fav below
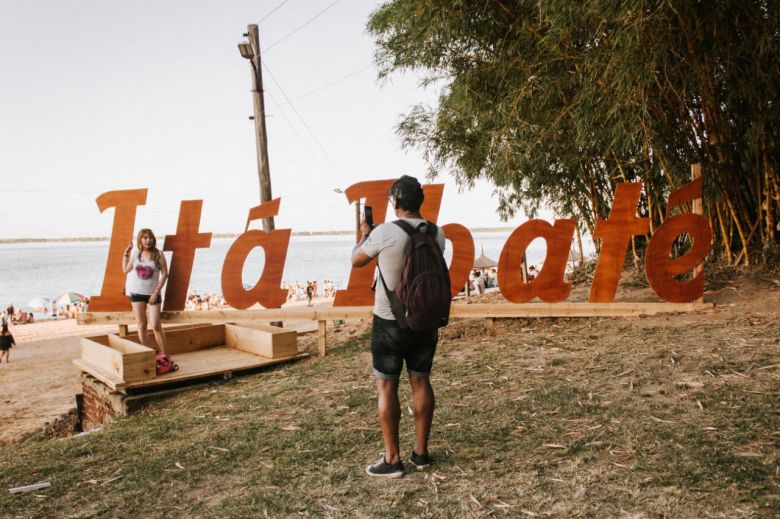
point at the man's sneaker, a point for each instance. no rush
(420, 461)
(384, 470)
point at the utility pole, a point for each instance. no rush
(251, 50)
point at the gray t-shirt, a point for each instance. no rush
(389, 242)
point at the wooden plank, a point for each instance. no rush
(211, 362)
(195, 338)
(138, 366)
(267, 341)
(458, 310)
(697, 207)
(109, 379)
(126, 345)
(29, 488)
(107, 358)
(570, 309)
(137, 361)
(124, 329)
(490, 324)
(322, 337)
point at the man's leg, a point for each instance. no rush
(424, 403)
(389, 415)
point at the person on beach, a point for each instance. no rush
(309, 292)
(147, 272)
(6, 343)
(391, 345)
(479, 281)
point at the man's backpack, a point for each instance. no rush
(422, 299)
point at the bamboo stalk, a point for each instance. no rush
(740, 232)
(724, 235)
(770, 221)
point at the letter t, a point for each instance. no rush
(615, 234)
(183, 245)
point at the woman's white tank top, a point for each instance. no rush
(144, 277)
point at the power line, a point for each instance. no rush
(292, 106)
(304, 24)
(333, 83)
(289, 123)
(272, 12)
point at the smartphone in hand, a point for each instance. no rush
(368, 215)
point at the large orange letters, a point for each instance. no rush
(549, 286)
(183, 245)
(125, 202)
(615, 234)
(267, 291)
(462, 255)
(660, 268)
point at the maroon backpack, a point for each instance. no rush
(422, 299)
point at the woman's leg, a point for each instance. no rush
(139, 309)
(154, 318)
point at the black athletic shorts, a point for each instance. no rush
(144, 298)
(391, 346)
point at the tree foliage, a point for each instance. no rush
(555, 102)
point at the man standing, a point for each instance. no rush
(391, 345)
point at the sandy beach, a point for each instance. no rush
(40, 383)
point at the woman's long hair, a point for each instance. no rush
(155, 253)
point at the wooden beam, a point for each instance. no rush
(570, 309)
(490, 324)
(322, 336)
(364, 312)
(697, 207)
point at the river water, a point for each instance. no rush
(30, 270)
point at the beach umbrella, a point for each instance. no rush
(70, 298)
(39, 303)
(483, 262)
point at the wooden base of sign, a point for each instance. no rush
(364, 312)
(199, 351)
(489, 312)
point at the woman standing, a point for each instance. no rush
(6, 343)
(147, 272)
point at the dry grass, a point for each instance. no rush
(669, 416)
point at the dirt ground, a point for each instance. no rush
(40, 383)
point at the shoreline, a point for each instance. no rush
(92, 239)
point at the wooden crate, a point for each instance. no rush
(268, 341)
(122, 359)
(199, 350)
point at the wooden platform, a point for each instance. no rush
(192, 365)
(322, 315)
(122, 362)
(618, 309)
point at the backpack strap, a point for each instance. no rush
(410, 229)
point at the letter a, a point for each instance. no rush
(550, 285)
(267, 291)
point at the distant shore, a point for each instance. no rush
(214, 235)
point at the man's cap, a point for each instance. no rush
(406, 188)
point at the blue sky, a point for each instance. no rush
(105, 95)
